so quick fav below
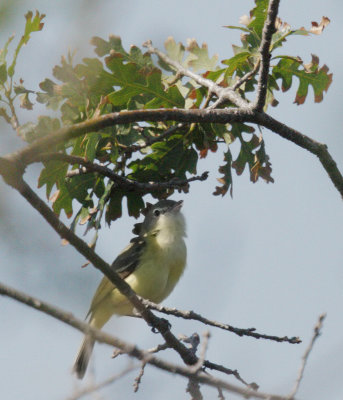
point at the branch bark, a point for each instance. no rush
(267, 33)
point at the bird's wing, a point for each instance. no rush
(126, 262)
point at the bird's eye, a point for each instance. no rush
(157, 213)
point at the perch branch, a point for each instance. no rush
(125, 183)
(238, 331)
(82, 247)
(130, 349)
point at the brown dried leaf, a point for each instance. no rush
(317, 29)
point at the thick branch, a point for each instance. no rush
(267, 33)
(238, 331)
(319, 149)
(130, 349)
(120, 181)
(47, 143)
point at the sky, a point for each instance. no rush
(270, 258)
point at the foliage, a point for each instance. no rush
(117, 80)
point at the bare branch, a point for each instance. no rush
(131, 350)
(247, 76)
(267, 33)
(238, 331)
(316, 334)
(139, 377)
(151, 140)
(120, 181)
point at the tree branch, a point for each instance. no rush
(95, 387)
(197, 317)
(161, 325)
(316, 148)
(120, 181)
(27, 155)
(267, 33)
(130, 349)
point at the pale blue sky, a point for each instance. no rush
(270, 258)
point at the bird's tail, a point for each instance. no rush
(83, 356)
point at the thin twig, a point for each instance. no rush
(316, 334)
(193, 388)
(120, 181)
(238, 331)
(154, 139)
(139, 377)
(95, 387)
(201, 360)
(247, 76)
(130, 349)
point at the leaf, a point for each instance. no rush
(33, 24)
(134, 83)
(257, 16)
(114, 48)
(316, 28)
(308, 74)
(135, 204)
(3, 73)
(175, 51)
(226, 180)
(188, 163)
(25, 101)
(3, 52)
(198, 58)
(114, 207)
(236, 62)
(53, 173)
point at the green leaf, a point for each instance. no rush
(53, 173)
(198, 59)
(308, 74)
(3, 73)
(258, 15)
(188, 163)
(33, 24)
(114, 207)
(226, 180)
(134, 83)
(78, 187)
(3, 52)
(135, 204)
(92, 145)
(236, 62)
(175, 51)
(115, 48)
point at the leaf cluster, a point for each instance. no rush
(117, 79)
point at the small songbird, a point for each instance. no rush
(151, 264)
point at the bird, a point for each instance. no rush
(151, 264)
